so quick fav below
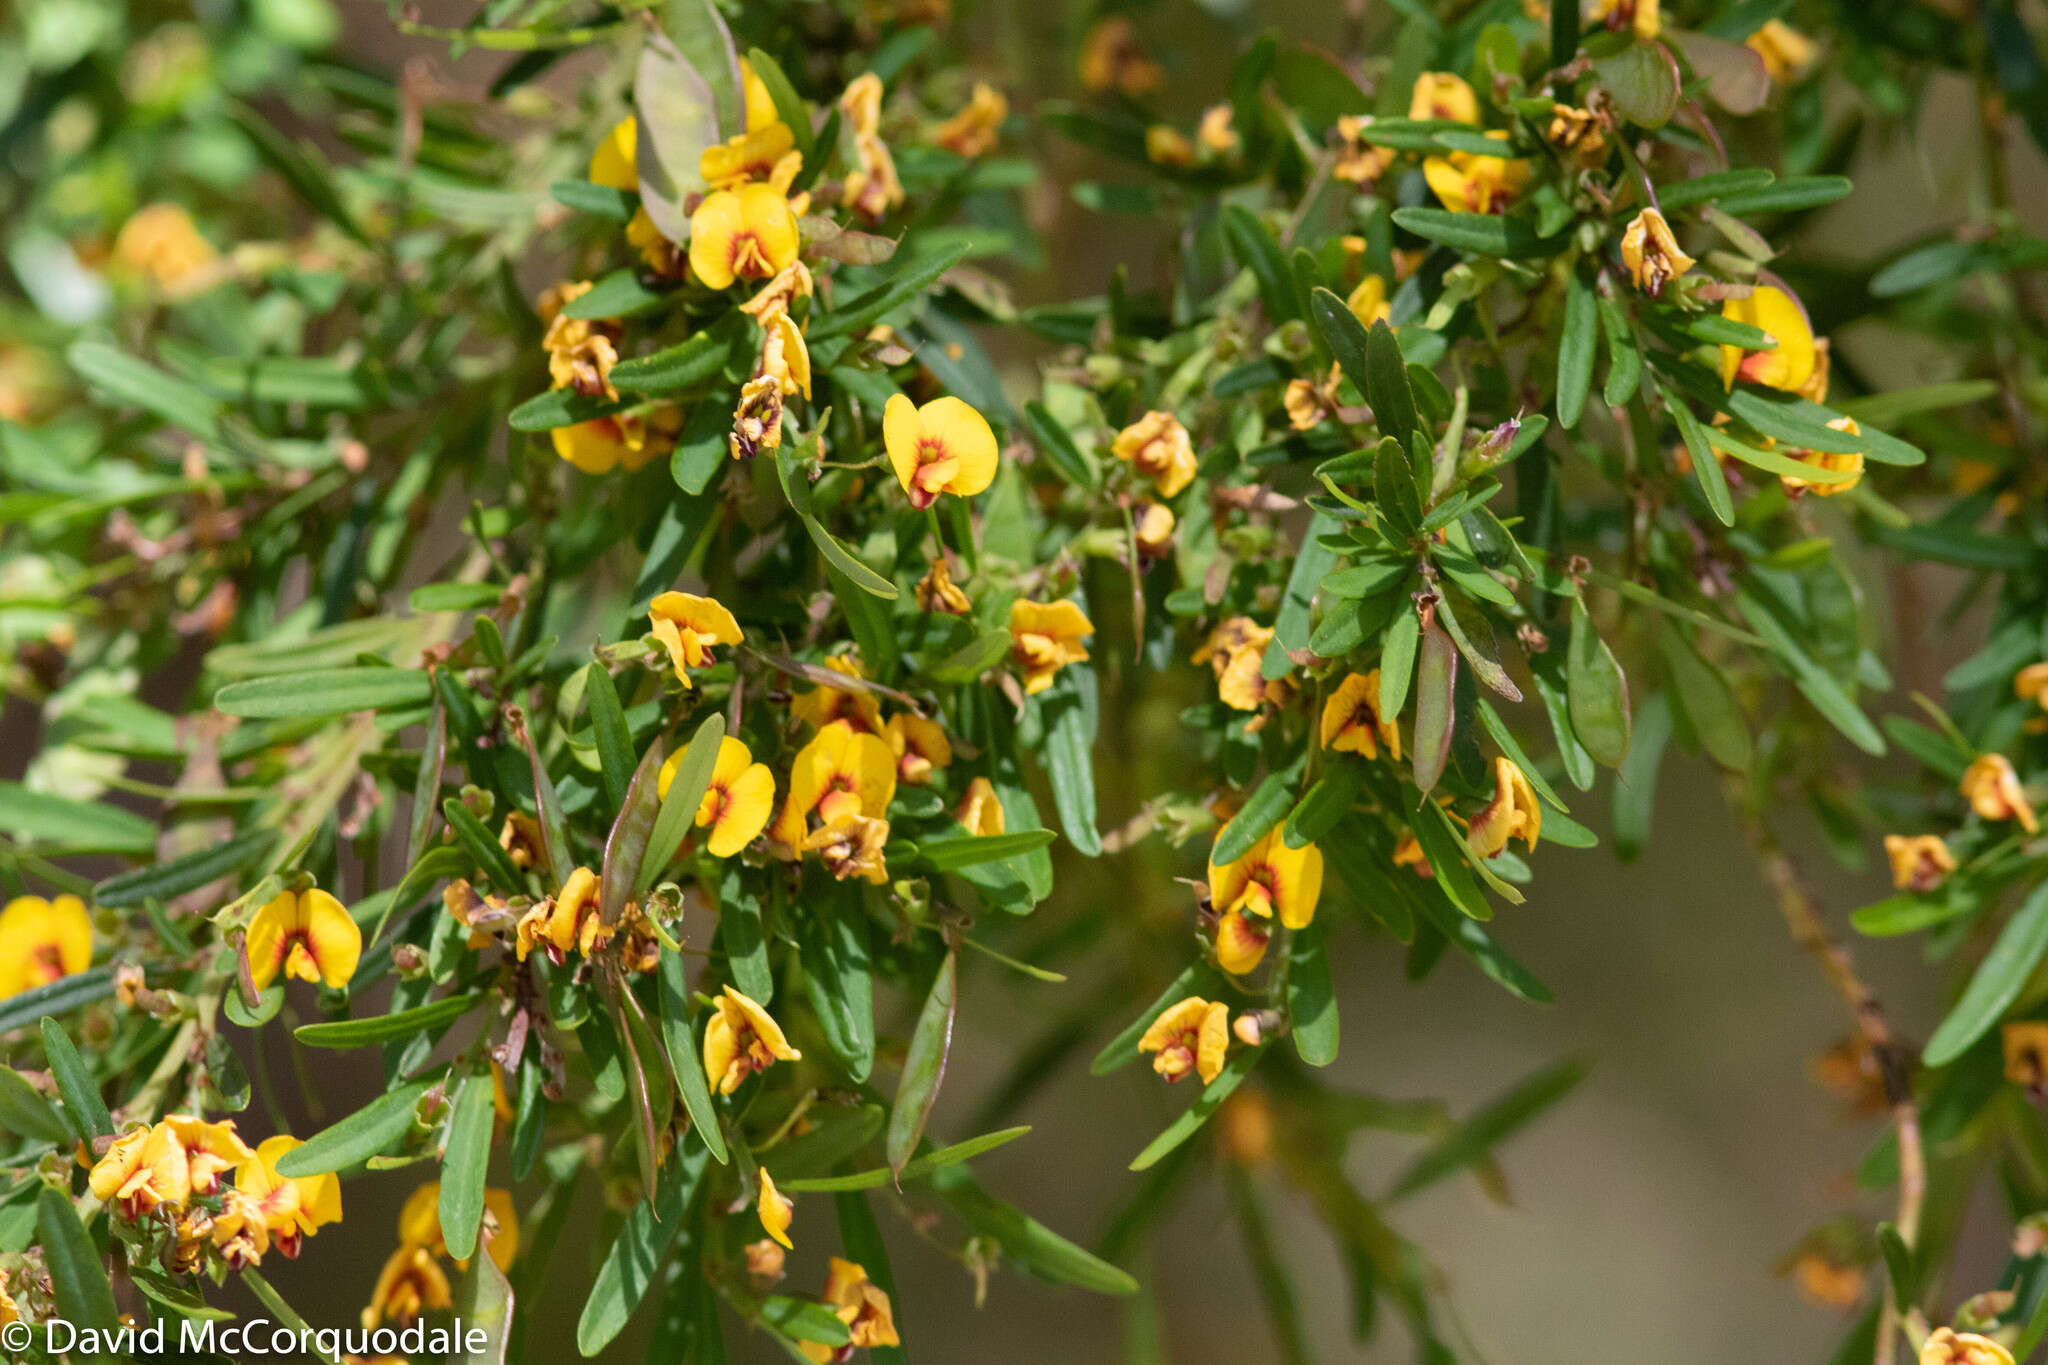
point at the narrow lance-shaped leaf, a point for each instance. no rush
(1575, 350)
(683, 1059)
(626, 847)
(1436, 679)
(924, 1065)
(1997, 982)
(608, 727)
(82, 1103)
(84, 1297)
(1597, 689)
(686, 790)
(466, 1163)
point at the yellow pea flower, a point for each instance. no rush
(1166, 145)
(567, 920)
(1270, 878)
(1651, 253)
(1236, 650)
(616, 161)
(920, 746)
(860, 1305)
(1920, 862)
(943, 447)
(1469, 183)
(42, 941)
(1787, 367)
(974, 130)
(1442, 95)
(823, 705)
(162, 242)
(1848, 462)
(1368, 302)
(1152, 527)
(622, 441)
(743, 234)
(937, 591)
(738, 802)
(1113, 59)
(851, 845)
(241, 1230)
(1217, 132)
(1785, 50)
(760, 104)
(740, 1040)
(776, 1210)
(411, 1284)
(1352, 722)
(768, 155)
(1359, 161)
(1192, 1035)
(10, 1311)
(306, 935)
(1512, 813)
(2031, 684)
(2026, 1053)
(419, 1223)
(1045, 637)
(1643, 16)
(292, 1208)
(1241, 942)
(1994, 792)
(210, 1149)
(689, 626)
(144, 1169)
(981, 811)
(1946, 1346)
(842, 771)
(1578, 133)
(1158, 447)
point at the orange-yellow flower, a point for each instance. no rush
(1113, 59)
(1848, 462)
(1153, 529)
(2026, 1053)
(860, 1305)
(768, 155)
(1645, 17)
(738, 802)
(1157, 446)
(974, 130)
(567, 920)
(1217, 132)
(42, 941)
(2031, 684)
(162, 242)
(1469, 183)
(1241, 942)
(1166, 145)
(1270, 878)
(616, 162)
(943, 447)
(1946, 1346)
(1045, 637)
(689, 626)
(292, 1208)
(622, 441)
(210, 1149)
(873, 187)
(823, 705)
(1368, 302)
(937, 591)
(920, 746)
(1236, 650)
(1920, 862)
(412, 1283)
(761, 109)
(980, 811)
(1441, 95)
(1359, 161)
(851, 845)
(1994, 792)
(1511, 814)
(1652, 254)
(842, 771)
(1578, 133)
(743, 234)
(740, 1040)
(1352, 722)
(1192, 1035)
(1785, 50)
(776, 1209)
(306, 935)
(1777, 313)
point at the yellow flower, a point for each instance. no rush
(1469, 183)
(1368, 303)
(784, 356)
(1045, 637)
(1848, 462)
(2026, 1053)
(308, 936)
(1112, 59)
(842, 771)
(42, 941)
(1236, 649)
(860, 1305)
(10, 1311)
(757, 420)
(861, 104)
(1512, 814)
(616, 163)
(780, 294)
(2029, 684)
(851, 845)
(1652, 254)
(974, 130)
(936, 591)
(740, 1040)
(874, 188)
(1157, 446)
(920, 746)
(1993, 791)
(419, 1224)
(856, 706)
(1241, 942)
(567, 920)
(1441, 95)
(1217, 132)
(1777, 313)
(162, 242)
(1190, 1036)
(1785, 50)
(210, 1149)
(1270, 878)
(1166, 145)
(144, 1169)
(1644, 16)
(623, 441)
(1577, 132)
(743, 234)
(1352, 722)
(1920, 862)
(240, 1231)
(1945, 1346)
(1359, 161)
(761, 109)
(943, 447)
(1408, 853)
(776, 1210)
(412, 1283)
(737, 804)
(768, 156)
(689, 626)
(1153, 528)
(293, 1208)
(980, 811)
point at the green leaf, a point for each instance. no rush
(81, 826)
(907, 284)
(685, 794)
(360, 1136)
(833, 945)
(1327, 802)
(1074, 465)
(619, 294)
(924, 1065)
(615, 755)
(634, 1261)
(839, 557)
(936, 1159)
(625, 849)
(1643, 79)
(1312, 565)
(1575, 349)
(601, 201)
(1997, 982)
(561, 408)
(486, 852)
(83, 1107)
(1485, 234)
(1069, 716)
(300, 165)
(1898, 1263)
(1311, 999)
(1259, 253)
(484, 1303)
(1597, 689)
(465, 1164)
(1394, 490)
(1706, 466)
(1635, 785)
(1889, 409)
(952, 853)
(683, 1059)
(1025, 1240)
(1714, 185)
(1449, 859)
(383, 1028)
(1814, 682)
(1476, 1138)
(675, 368)
(1436, 681)
(1397, 661)
(1266, 807)
(23, 1110)
(1624, 356)
(187, 872)
(1792, 192)
(85, 1299)
(1211, 1098)
(58, 997)
(137, 383)
(1709, 702)
(326, 692)
(700, 35)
